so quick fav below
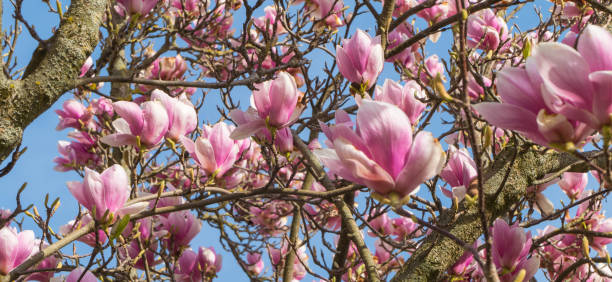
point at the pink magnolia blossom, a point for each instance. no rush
(328, 10)
(148, 233)
(215, 151)
(277, 258)
(86, 66)
(143, 125)
(182, 117)
(433, 68)
(74, 114)
(73, 155)
(573, 183)
(404, 228)
(361, 58)
(77, 273)
(381, 224)
(474, 89)
(408, 56)
(255, 263)
(135, 7)
(382, 154)
(274, 104)
(182, 227)
(486, 30)
(458, 173)
(561, 96)
(102, 106)
(603, 225)
(49, 262)
(15, 248)
(510, 249)
(405, 97)
(191, 267)
(167, 68)
(108, 191)
(270, 22)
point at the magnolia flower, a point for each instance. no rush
(182, 117)
(143, 247)
(74, 114)
(182, 227)
(15, 248)
(573, 183)
(328, 10)
(143, 125)
(255, 263)
(76, 274)
(215, 151)
(274, 104)
(486, 30)
(381, 224)
(86, 66)
(382, 154)
(277, 258)
(510, 249)
(459, 172)
(433, 68)
(405, 97)
(192, 267)
(360, 59)
(408, 56)
(135, 7)
(49, 262)
(270, 23)
(108, 191)
(561, 96)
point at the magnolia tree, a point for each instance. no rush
(431, 170)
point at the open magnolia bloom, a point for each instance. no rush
(381, 152)
(561, 96)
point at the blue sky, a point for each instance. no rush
(36, 166)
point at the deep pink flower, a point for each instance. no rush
(433, 68)
(405, 97)
(274, 104)
(182, 227)
(382, 153)
(486, 30)
(143, 125)
(107, 191)
(148, 234)
(361, 58)
(404, 228)
(74, 114)
(270, 23)
(135, 7)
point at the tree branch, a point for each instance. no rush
(439, 252)
(51, 72)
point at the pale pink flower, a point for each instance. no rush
(510, 249)
(361, 58)
(182, 227)
(573, 183)
(405, 97)
(108, 191)
(143, 125)
(255, 263)
(459, 172)
(382, 154)
(15, 248)
(182, 117)
(74, 114)
(77, 273)
(215, 151)
(274, 104)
